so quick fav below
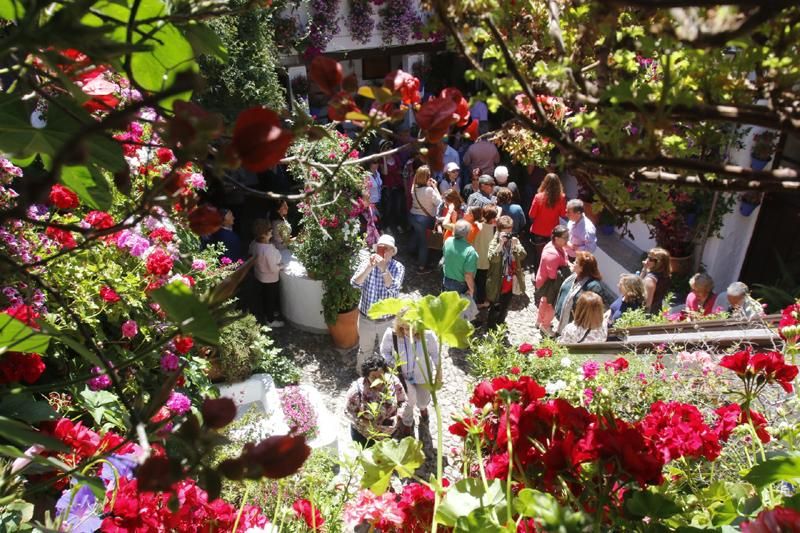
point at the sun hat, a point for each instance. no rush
(386, 240)
(486, 179)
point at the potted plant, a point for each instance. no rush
(672, 232)
(764, 144)
(330, 237)
(607, 222)
(748, 202)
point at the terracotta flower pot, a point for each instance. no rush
(680, 265)
(345, 331)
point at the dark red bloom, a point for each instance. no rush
(259, 139)
(218, 413)
(618, 365)
(543, 353)
(774, 368)
(164, 155)
(461, 428)
(483, 394)
(23, 313)
(759, 423)
(326, 73)
(737, 362)
(340, 105)
(404, 83)
(274, 457)
(777, 520)
(63, 197)
(435, 118)
(157, 473)
(728, 418)
(99, 219)
(525, 348)
(416, 501)
(678, 430)
(309, 513)
(18, 367)
(62, 237)
(109, 295)
(205, 220)
(471, 130)
(183, 343)
(462, 106)
(159, 262)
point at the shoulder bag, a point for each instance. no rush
(434, 239)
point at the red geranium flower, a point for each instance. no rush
(525, 348)
(162, 235)
(777, 520)
(164, 155)
(737, 362)
(159, 262)
(326, 73)
(218, 413)
(23, 313)
(99, 219)
(543, 353)
(183, 343)
(618, 365)
(471, 131)
(678, 430)
(63, 197)
(309, 513)
(16, 367)
(259, 139)
(274, 457)
(728, 419)
(404, 83)
(62, 237)
(109, 295)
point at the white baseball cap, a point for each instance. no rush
(452, 165)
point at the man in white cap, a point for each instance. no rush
(379, 276)
(450, 179)
(501, 179)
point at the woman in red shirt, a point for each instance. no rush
(547, 207)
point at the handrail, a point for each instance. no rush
(697, 325)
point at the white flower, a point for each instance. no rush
(566, 362)
(553, 388)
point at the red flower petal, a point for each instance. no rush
(327, 73)
(259, 139)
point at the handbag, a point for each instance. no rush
(434, 239)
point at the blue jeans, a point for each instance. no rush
(452, 285)
(420, 224)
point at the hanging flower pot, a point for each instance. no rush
(758, 164)
(747, 208)
(748, 202)
(606, 229)
(680, 265)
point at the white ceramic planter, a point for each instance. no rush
(301, 297)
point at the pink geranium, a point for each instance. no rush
(129, 329)
(382, 511)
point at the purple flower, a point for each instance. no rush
(225, 260)
(82, 516)
(199, 265)
(169, 362)
(129, 329)
(123, 464)
(136, 244)
(178, 403)
(38, 212)
(197, 181)
(590, 369)
(100, 381)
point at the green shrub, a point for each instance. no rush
(246, 348)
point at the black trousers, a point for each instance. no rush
(393, 207)
(269, 298)
(480, 286)
(499, 309)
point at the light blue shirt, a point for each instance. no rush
(582, 236)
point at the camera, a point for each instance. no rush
(505, 235)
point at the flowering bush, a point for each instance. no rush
(299, 413)
(361, 22)
(330, 237)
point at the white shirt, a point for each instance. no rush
(582, 236)
(574, 334)
(267, 266)
(411, 356)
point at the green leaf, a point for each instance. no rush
(466, 496)
(86, 353)
(24, 435)
(205, 41)
(389, 306)
(442, 315)
(645, 503)
(90, 186)
(484, 519)
(785, 468)
(96, 402)
(11, 9)
(64, 120)
(18, 337)
(389, 456)
(24, 407)
(184, 308)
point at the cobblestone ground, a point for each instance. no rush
(331, 372)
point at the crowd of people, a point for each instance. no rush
(484, 224)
